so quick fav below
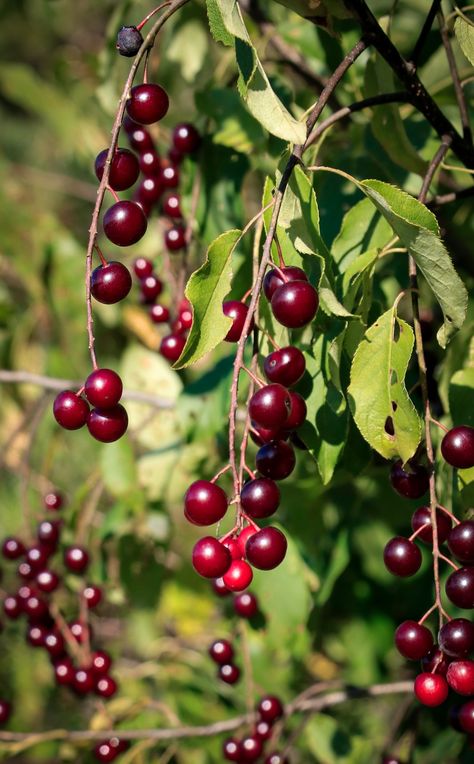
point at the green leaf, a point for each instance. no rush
(300, 216)
(377, 395)
(254, 85)
(189, 36)
(464, 31)
(419, 233)
(339, 561)
(235, 127)
(206, 290)
(461, 397)
(216, 24)
(362, 228)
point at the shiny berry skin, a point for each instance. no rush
(53, 501)
(100, 662)
(171, 206)
(125, 223)
(211, 559)
(48, 533)
(37, 557)
(297, 415)
(138, 136)
(63, 671)
(239, 576)
(159, 314)
(402, 557)
(276, 758)
(435, 662)
(186, 138)
(270, 406)
(234, 548)
(285, 366)
(103, 388)
(12, 607)
(70, 410)
(460, 677)
(148, 103)
(92, 596)
(413, 640)
(169, 176)
(266, 549)
(263, 730)
(205, 503)
(106, 687)
(231, 750)
(35, 608)
(5, 711)
(245, 605)
(104, 752)
(26, 571)
(151, 287)
(219, 587)
(47, 581)
(244, 537)
(270, 709)
(460, 588)
(422, 516)
(411, 483)
(35, 635)
(237, 311)
(275, 460)
(260, 497)
(148, 193)
(175, 238)
(221, 651)
(83, 681)
(456, 638)
(172, 346)
(150, 163)
(461, 542)
(142, 267)
(124, 168)
(295, 304)
(129, 41)
(273, 279)
(54, 644)
(229, 673)
(186, 319)
(261, 435)
(108, 425)
(76, 559)
(110, 283)
(80, 631)
(250, 748)
(431, 689)
(457, 447)
(466, 717)
(13, 548)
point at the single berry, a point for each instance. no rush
(48, 533)
(266, 549)
(35, 635)
(186, 318)
(276, 758)
(460, 588)
(435, 662)
(150, 163)
(171, 206)
(205, 503)
(142, 267)
(219, 587)
(211, 559)
(244, 536)
(457, 447)
(175, 238)
(103, 388)
(53, 500)
(263, 730)
(285, 366)
(5, 711)
(12, 607)
(110, 283)
(76, 559)
(148, 193)
(461, 542)
(25, 570)
(100, 662)
(411, 482)
(460, 677)
(172, 346)
(125, 223)
(275, 460)
(234, 548)
(138, 136)
(186, 138)
(413, 640)
(129, 41)
(148, 103)
(83, 681)
(245, 605)
(260, 497)
(229, 673)
(270, 406)
(54, 644)
(466, 717)
(250, 748)
(64, 671)
(37, 557)
(106, 687)
(456, 637)
(422, 516)
(231, 750)
(108, 425)
(159, 314)
(92, 596)
(270, 709)
(221, 651)
(13, 548)
(431, 689)
(402, 557)
(124, 168)
(238, 576)
(295, 304)
(80, 631)
(261, 435)
(275, 278)
(47, 581)
(70, 410)
(237, 311)
(151, 287)
(297, 415)
(169, 176)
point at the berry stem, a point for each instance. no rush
(221, 472)
(101, 256)
(418, 531)
(65, 631)
(114, 193)
(438, 424)
(448, 561)
(427, 614)
(450, 514)
(152, 13)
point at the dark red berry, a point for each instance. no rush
(261, 435)
(13, 548)
(151, 287)
(148, 193)
(245, 605)
(124, 168)
(413, 640)
(125, 223)
(239, 576)
(83, 681)
(250, 748)
(129, 41)
(5, 711)
(26, 571)
(37, 557)
(169, 176)
(48, 533)
(270, 406)
(276, 460)
(270, 708)
(103, 388)
(108, 425)
(244, 536)
(172, 346)
(276, 758)
(229, 673)
(76, 559)
(205, 503)
(431, 689)
(35, 635)
(435, 662)
(266, 549)
(237, 311)
(70, 410)
(295, 304)
(461, 542)
(81, 631)
(64, 671)
(231, 750)
(402, 557)
(150, 163)
(460, 588)
(460, 677)
(175, 238)
(285, 366)
(12, 607)
(186, 138)
(211, 559)
(263, 730)
(106, 687)
(276, 278)
(92, 596)
(100, 662)
(53, 500)
(139, 137)
(422, 516)
(110, 283)
(186, 318)
(159, 314)
(171, 206)
(260, 497)
(221, 651)
(54, 644)
(142, 267)
(466, 717)
(298, 412)
(148, 103)
(456, 638)
(411, 482)
(219, 587)
(457, 447)
(47, 581)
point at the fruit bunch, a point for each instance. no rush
(251, 747)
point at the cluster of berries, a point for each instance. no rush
(251, 748)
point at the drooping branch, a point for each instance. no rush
(458, 89)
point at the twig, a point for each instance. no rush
(460, 96)
(425, 30)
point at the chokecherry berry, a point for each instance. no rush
(169, 175)
(275, 278)
(263, 730)
(244, 536)
(37, 557)
(76, 559)
(229, 673)
(70, 410)
(175, 238)
(171, 346)
(138, 136)
(266, 549)
(231, 750)
(435, 662)
(233, 546)
(295, 304)
(63, 671)
(422, 516)
(261, 435)
(5, 711)
(148, 193)
(186, 138)
(219, 587)
(12, 607)
(171, 206)
(159, 314)
(431, 689)
(142, 267)
(13, 548)
(457, 447)
(150, 163)
(460, 588)
(221, 651)
(402, 557)
(461, 542)
(238, 576)
(411, 482)
(275, 460)
(285, 366)
(35, 635)
(270, 708)
(251, 748)
(54, 644)
(260, 497)
(129, 41)
(298, 412)
(237, 311)
(25, 570)
(466, 717)
(47, 581)
(456, 637)
(245, 605)
(100, 662)
(110, 283)
(276, 758)
(460, 677)
(83, 681)
(48, 533)
(413, 640)
(270, 406)
(80, 631)
(106, 687)
(125, 223)
(211, 559)
(205, 503)
(151, 287)
(107, 425)
(124, 168)
(148, 103)
(103, 388)
(92, 596)
(53, 500)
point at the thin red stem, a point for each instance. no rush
(152, 13)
